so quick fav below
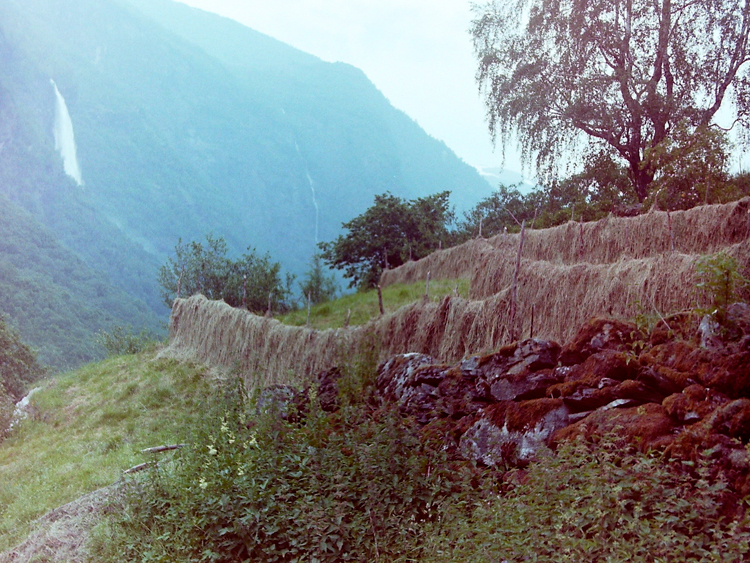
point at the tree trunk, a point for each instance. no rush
(641, 178)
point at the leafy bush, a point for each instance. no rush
(120, 340)
(601, 501)
(342, 487)
(18, 363)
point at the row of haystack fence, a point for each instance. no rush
(701, 230)
(620, 267)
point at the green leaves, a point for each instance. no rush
(18, 363)
(719, 276)
(577, 76)
(391, 232)
(252, 281)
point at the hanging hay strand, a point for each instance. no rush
(266, 350)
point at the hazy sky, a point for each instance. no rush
(417, 52)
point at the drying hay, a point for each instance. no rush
(265, 350)
(451, 263)
(622, 272)
(268, 352)
(700, 230)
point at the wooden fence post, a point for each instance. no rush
(514, 287)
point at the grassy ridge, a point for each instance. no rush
(363, 305)
(86, 427)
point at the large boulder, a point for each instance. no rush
(512, 433)
(600, 334)
(519, 371)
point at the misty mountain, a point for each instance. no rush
(187, 123)
(53, 298)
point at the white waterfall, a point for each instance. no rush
(312, 189)
(65, 142)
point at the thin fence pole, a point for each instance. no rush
(671, 233)
(514, 287)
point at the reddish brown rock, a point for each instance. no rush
(729, 374)
(693, 404)
(672, 354)
(683, 364)
(732, 419)
(648, 426)
(605, 364)
(665, 379)
(599, 334)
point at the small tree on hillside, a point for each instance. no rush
(316, 285)
(388, 234)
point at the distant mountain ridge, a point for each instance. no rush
(188, 123)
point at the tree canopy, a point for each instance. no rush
(389, 233)
(251, 281)
(636, 78)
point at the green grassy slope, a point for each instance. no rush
(86, 427)
(362, 306)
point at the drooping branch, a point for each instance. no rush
(624, 72)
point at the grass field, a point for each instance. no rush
(363, 305)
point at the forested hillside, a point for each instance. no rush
(188, 124)
(53, 298)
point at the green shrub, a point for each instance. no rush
(720, 278)
(121, 340)
(601, 501)
(343, 487)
